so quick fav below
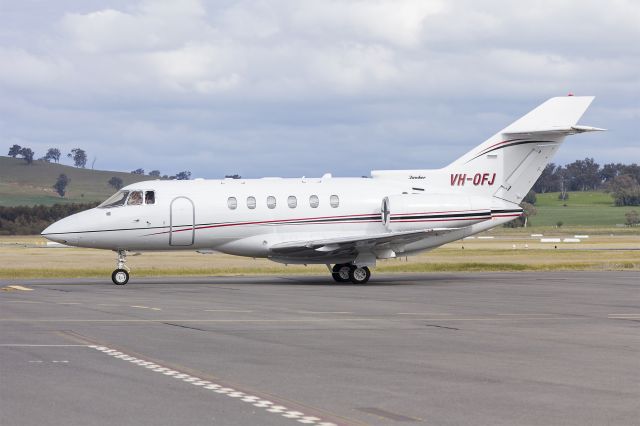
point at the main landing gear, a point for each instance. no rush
(344, 272)
(121, 275)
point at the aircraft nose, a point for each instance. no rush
(61, 232)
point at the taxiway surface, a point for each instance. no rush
(443, 349)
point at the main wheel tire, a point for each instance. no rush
(120, 277)
(359, 275)
(340, 273)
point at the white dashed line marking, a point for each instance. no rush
(254, 400)
(145, 307)
(308, 420)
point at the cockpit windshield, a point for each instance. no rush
(116, 200)
(135, 198)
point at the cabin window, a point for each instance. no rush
(251, 202)
(135, 198)
(292, 201)
(334, 201)
(116, 200)
(314, 201)
(271, 202)
(232, 203)
(150, 197)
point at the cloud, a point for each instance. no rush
(293, 88)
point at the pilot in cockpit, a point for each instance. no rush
(150, 197)
(135, 198)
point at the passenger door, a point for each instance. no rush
(182, 222)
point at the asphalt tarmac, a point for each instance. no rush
(439, 349)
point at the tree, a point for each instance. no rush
(61, 184)
(583, 175)
(186, 175)
(631, 169)
(23, 220)
(79, 157)
(528, 210)
(138, 172)
(53, 154)
(116, 182)
(154, 173)
(549, 180)
(625, 191)
(610, 171)
(27, 155)
(14, 150)
(530, 197)
(632, 218)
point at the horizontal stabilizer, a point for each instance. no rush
(571, 130)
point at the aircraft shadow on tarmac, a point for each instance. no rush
(378, 281)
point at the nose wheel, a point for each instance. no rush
(121, 275)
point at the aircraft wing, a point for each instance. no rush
(353, 244)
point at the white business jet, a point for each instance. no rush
(344, 223)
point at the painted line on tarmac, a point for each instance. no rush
(526, 315)
(624, 316)
(16, 287)
(189, 320)
(256, 401)
(310, 320)
(145, 307)
(419, 313)
(25, 345)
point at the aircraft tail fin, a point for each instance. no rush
(514, 158)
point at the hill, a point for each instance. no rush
(28, 185)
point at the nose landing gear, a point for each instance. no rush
(121, 275)
(344, 272)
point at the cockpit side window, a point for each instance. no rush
(135, 198)
(150, 197)
(116, 200)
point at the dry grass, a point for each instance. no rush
(28, 257)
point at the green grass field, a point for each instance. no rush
(22, 184)
(581, 209)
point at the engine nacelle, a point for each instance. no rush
(408, 212)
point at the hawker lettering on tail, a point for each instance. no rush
(344, 223)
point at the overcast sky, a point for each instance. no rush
(303, 87)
